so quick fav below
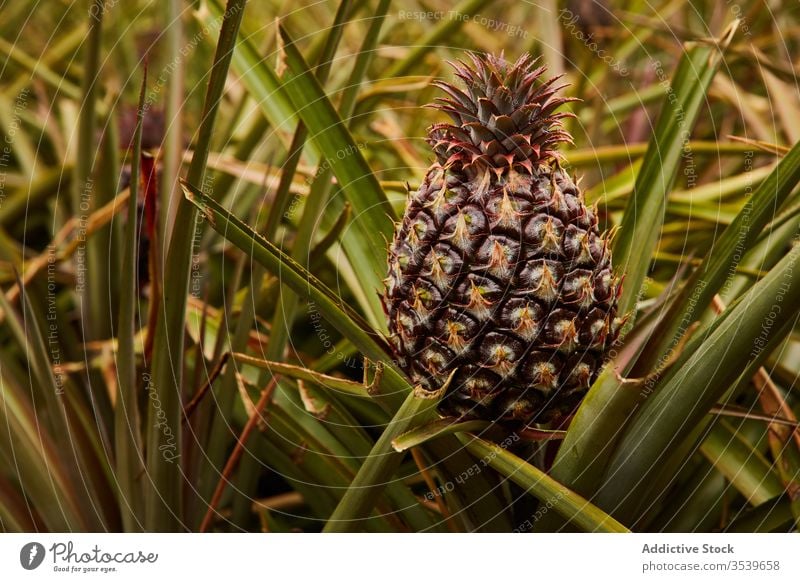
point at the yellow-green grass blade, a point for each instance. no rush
(725, 187)
(287, 303)
(105, 250)
(712, 362)
(741, 464)
(69, 415)
(788, 215)
(724, 256)
(444, 29)
(172, 145)
(83, 187)
(372, 224)
(720, 214)
(286, 306)
(33, 191)
(20, 144)
(552, 494)
(29, 452)
(549, 38)
(164, 494)
(63, 410)
(330, 306)
(289, 168)
(644, 212)
(630, 152)
(438, 428)
(29, 427)
(127, 416)
(334, 383)
(317, 200)
(320, 206)
(260, 80)
(66, 44)
(90, 192)
(764, 254)
(381, 464)
(774, 515)
(40, 70)
(45, 385)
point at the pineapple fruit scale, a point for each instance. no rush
(497, 270)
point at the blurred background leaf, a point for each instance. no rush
(168, 369)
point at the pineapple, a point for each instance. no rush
(497, 270)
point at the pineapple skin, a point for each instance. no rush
(499, 272)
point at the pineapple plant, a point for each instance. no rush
(268, 379)
(497, 270)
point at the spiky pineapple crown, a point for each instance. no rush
(505, 117)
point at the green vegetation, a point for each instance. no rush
(196, 201)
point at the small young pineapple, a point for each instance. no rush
(497, 269)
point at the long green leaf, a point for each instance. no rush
(287, 303)
(443, 30)
(322, 299)
(724, 256)
(741, 464)
(84, 195)
(644, 213)
(597, 425)
(127, 416)
(299, 373)
(381, 464)
(372, 223)
(712, 363)
(31, 439)
(69, 414)
(260, 80)
(773, 515)
(172, 146)
(337, 446)
(31, 455)
(549, 491)
(696, 505)
(436, 429)
(163, 498)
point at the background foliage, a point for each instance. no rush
(207, 353)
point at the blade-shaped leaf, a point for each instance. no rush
(724, 256)
(372, 223)
(741, 464)
(260, 80)
(436, 429)
(711, 364)
(164, 494)
(644, 213)
(332, 307)
(31, 454)
(382, 462)
(549, 491)
(127, 416)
